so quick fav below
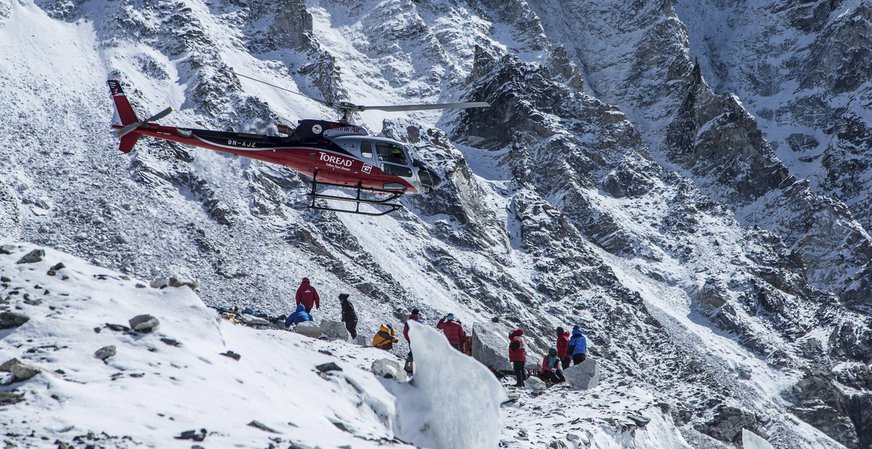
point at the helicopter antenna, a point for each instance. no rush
(284, 89)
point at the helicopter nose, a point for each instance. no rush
(429, 178)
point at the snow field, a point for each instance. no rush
(152, 391)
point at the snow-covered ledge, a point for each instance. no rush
(455, 400)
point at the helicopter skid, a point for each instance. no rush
(387, 202)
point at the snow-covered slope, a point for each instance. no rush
(176, 378)
(178, 385)
(614, 182)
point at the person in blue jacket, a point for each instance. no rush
(577, 345)
(299, 316)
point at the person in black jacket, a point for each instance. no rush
(349, 316)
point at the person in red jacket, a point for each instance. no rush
(308, 296)
(414, 316)
(518, 355)
(453, 331)
(563, 347)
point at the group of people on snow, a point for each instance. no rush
(569, 348)
(307, 299)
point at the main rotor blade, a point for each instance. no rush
(284, 89)
(425, 107)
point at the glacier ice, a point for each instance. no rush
(455, 400)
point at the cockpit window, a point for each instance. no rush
(397, 170)
(393, 153)
(365, 149)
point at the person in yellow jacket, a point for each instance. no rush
(385, 337)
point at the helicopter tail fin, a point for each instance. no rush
(125, 115)
(122, 106)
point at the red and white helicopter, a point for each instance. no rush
(333, 154)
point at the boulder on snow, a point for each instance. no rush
(259, 425)
(535, 384)
(232, 355)
(360, 340)
(144, 323)
(388, 369)
(308, 328)
(9, 320)
(20, 371)
(116, 327)
(7, 365)
(192, 283)
(174, 281)
(192, 435)
(7, 249)
(254, 321)
(334, 330)
(10, 398)
(171, 342)
(33, 256)
(105, 352)
(583, 376)
(490, 345)
(55, 268)
(327, 367)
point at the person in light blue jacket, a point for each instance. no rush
(299, 316)
(577, 345)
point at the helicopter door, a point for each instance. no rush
(393, 159)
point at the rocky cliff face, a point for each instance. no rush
(694, 197)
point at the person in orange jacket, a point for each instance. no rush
(385, 337)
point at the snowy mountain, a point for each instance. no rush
(688, 180)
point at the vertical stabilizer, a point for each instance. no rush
(122, 106)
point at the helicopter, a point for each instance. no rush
(333, 154)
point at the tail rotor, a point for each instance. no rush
(129, 121)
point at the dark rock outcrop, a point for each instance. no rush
(33, 256)
(11, 320)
